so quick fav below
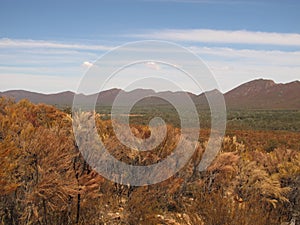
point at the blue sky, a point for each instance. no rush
(47, 46)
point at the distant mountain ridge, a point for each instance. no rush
(256, 94)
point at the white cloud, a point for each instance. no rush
(152, 65)
(87, 64)
(224, 36)
(232, 67)
(51, 67)
(15, 43)
(266, 57)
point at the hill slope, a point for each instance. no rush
(264, 94)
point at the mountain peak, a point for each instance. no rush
(264, 94)
(261, 83)
(253, 87)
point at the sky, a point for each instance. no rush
(48, 46)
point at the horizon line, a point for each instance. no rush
(148, 89)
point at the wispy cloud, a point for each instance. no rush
(15, 43)
(87, 64)
(55, 66)
(266, 57)
(223, 36)
(152, 65)
(235, 66)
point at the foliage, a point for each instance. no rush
(45, 180)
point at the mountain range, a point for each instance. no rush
(256, 94)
